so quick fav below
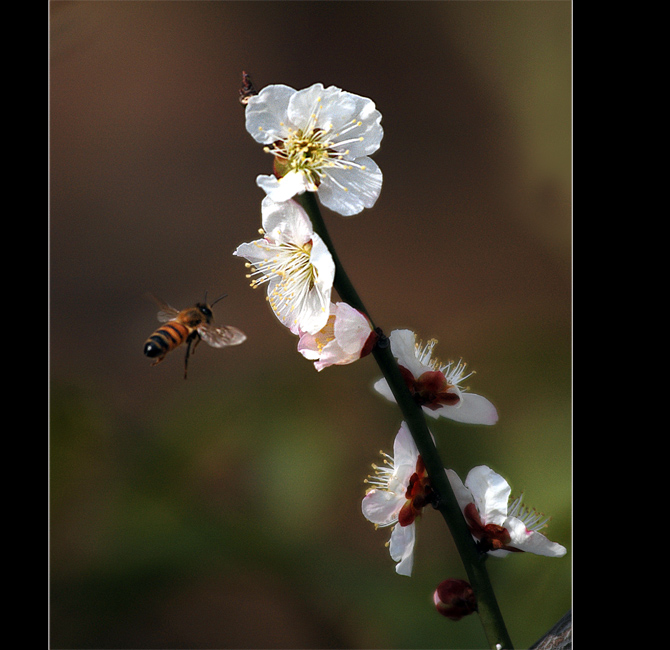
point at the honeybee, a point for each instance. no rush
(190, 326)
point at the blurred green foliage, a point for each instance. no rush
(208, 494)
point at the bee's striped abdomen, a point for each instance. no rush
(166, 338)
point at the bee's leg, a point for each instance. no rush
(188, 352)
(192, 340)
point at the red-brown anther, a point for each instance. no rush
(418, 494)
(430, 389)
(455, 599)
(492, 537)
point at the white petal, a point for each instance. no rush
(323, 106)
(405, 451)
(324, 265)
(381, 507)
(462, 494)
(383, 388)
(255, 251)
(284, 188)
(491, 494)
(266, 113)
(348, 191)
(403, 346)
(401, 548)
(370, 130)
(531, 541)
(472, 409)
(286, 222)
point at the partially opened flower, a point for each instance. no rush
(321, 140)
(295, 264)
(346, 337)
(436, 386)
(498, 525)
(400, 491)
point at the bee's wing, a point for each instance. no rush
(166, 312)
(221, 337)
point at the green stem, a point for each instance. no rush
(487, 605)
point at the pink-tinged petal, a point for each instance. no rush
(352, 328)
(531, 541)
(401, 548)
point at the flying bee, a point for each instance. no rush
(190, 326)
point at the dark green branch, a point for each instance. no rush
(488, 609)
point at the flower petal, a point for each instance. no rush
(381, 507)
(405, 451)
(265, 114)
(325, 107)
(462, 494)
(286, 222)
(472, 409)
(403, 347)
(348, 191)
(531, 541)
(284, 188)
(490, 492)
(401, 548)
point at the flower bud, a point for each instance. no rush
(455, 599)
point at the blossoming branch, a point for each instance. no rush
(321, 140)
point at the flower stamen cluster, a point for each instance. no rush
(314, 151)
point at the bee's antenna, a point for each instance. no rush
(217, 300)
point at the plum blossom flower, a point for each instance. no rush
(498, 525)
(436, 386)
(295, 264)
(346, 337)
(400, 491)
(321, 140)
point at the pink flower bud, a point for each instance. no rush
(455, 599)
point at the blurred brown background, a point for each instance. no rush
(224, 511)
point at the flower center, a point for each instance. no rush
(438, 386)
(419, 494)
(491, 536)
(313, 149)
(431, 389)
(291, 264)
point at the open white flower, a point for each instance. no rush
(436, 386)
(295, 263)
(346, 337)
(400, 491)
(321, 139)
(500, 527)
